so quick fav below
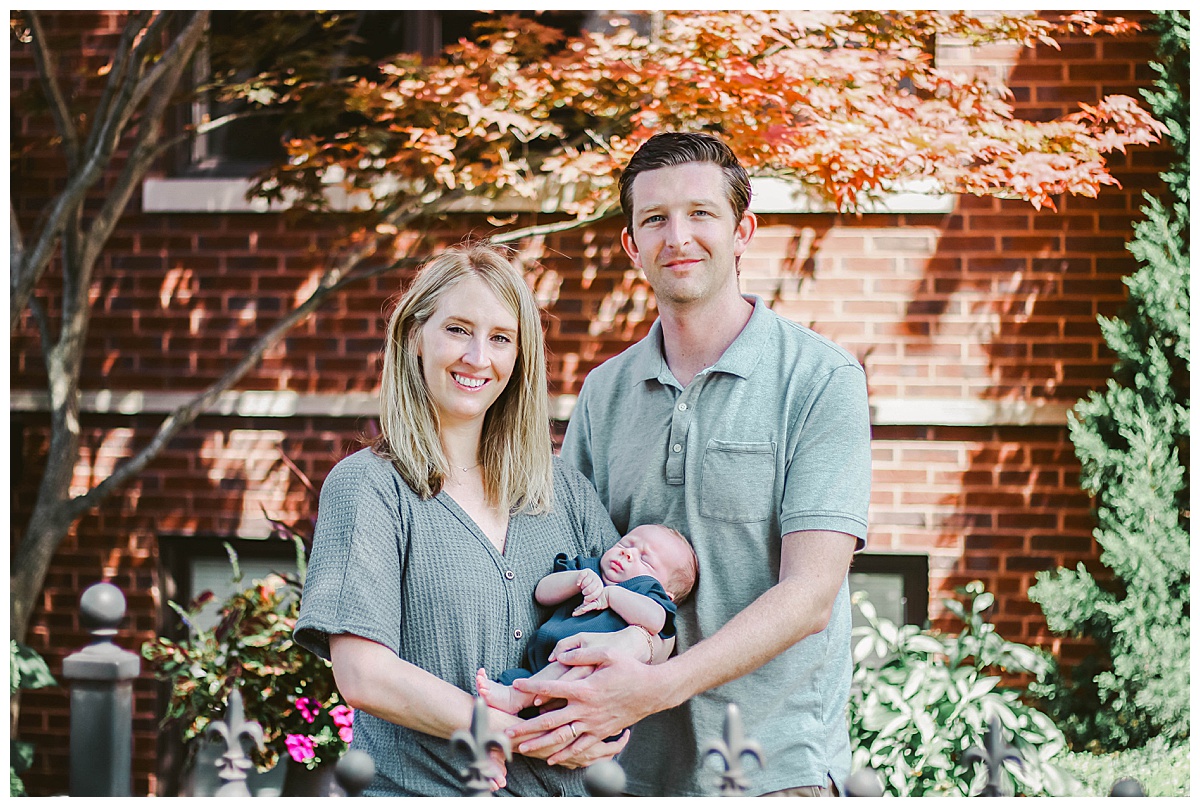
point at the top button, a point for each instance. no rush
(509, 575)
(683, 407)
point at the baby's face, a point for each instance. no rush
(648, 549)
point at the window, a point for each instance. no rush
(241, 148)
(897, 585)
(191, 565)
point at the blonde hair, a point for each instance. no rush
(515, 450)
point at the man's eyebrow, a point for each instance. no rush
(694, 202)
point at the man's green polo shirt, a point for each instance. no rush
(774, 438)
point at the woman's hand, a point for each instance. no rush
(499, 777)
(575, 752)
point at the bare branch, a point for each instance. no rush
(43, 323)
(26, 273)
(48, 72)
(16, 242)
(546, 229)
(183, 415)
(172, 61)
(141, 156)
(118, 75)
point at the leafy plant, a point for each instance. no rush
(250, 649)
(920, 699)
(27, 670)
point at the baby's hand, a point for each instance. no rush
(593, 591)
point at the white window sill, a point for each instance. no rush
(228, 195)
(272, 403)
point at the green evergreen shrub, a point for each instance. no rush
(1132, 441)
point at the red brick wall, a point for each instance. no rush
(993, 303)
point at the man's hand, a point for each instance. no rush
(630, 642)
(620, 692)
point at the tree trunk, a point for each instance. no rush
(47, 527)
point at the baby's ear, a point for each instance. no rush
(670, 594)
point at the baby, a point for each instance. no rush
(640, 581)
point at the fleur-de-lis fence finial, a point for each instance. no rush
(605, 778)
(233, 763)
(479, 743)
(1127, 787)
(731, 749)
(355, 771)
(864, 783)
(994, 754)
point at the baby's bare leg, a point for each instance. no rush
(555, 671)
(510, 700)
(500, 696)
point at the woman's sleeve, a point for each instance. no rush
(354, 576)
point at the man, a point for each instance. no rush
(749, 434)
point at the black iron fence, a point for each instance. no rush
(101, 678)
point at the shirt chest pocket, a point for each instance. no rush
(738, 481)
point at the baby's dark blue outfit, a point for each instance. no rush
(561, 624)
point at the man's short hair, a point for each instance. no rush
(668, 149)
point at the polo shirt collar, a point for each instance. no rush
(739, 359)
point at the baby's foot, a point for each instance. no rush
(498, 696)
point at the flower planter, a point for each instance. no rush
(300, 781)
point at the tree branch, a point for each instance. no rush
(554, 227)
(43, 323)
(333, 280)
(26, 273)
(118, 73)
(171, 63)
(48, 73)
(141, 157)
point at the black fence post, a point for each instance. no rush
(995, 752)
(101, 680)
(479, 742)
(354, 772)
(864, 783)
(605, 778)
(1126, 787)
(732, 746)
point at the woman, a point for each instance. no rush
(430, 543)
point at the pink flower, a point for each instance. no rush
(342, 716)
(346, 733)
(300, 747)
(308, 711)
